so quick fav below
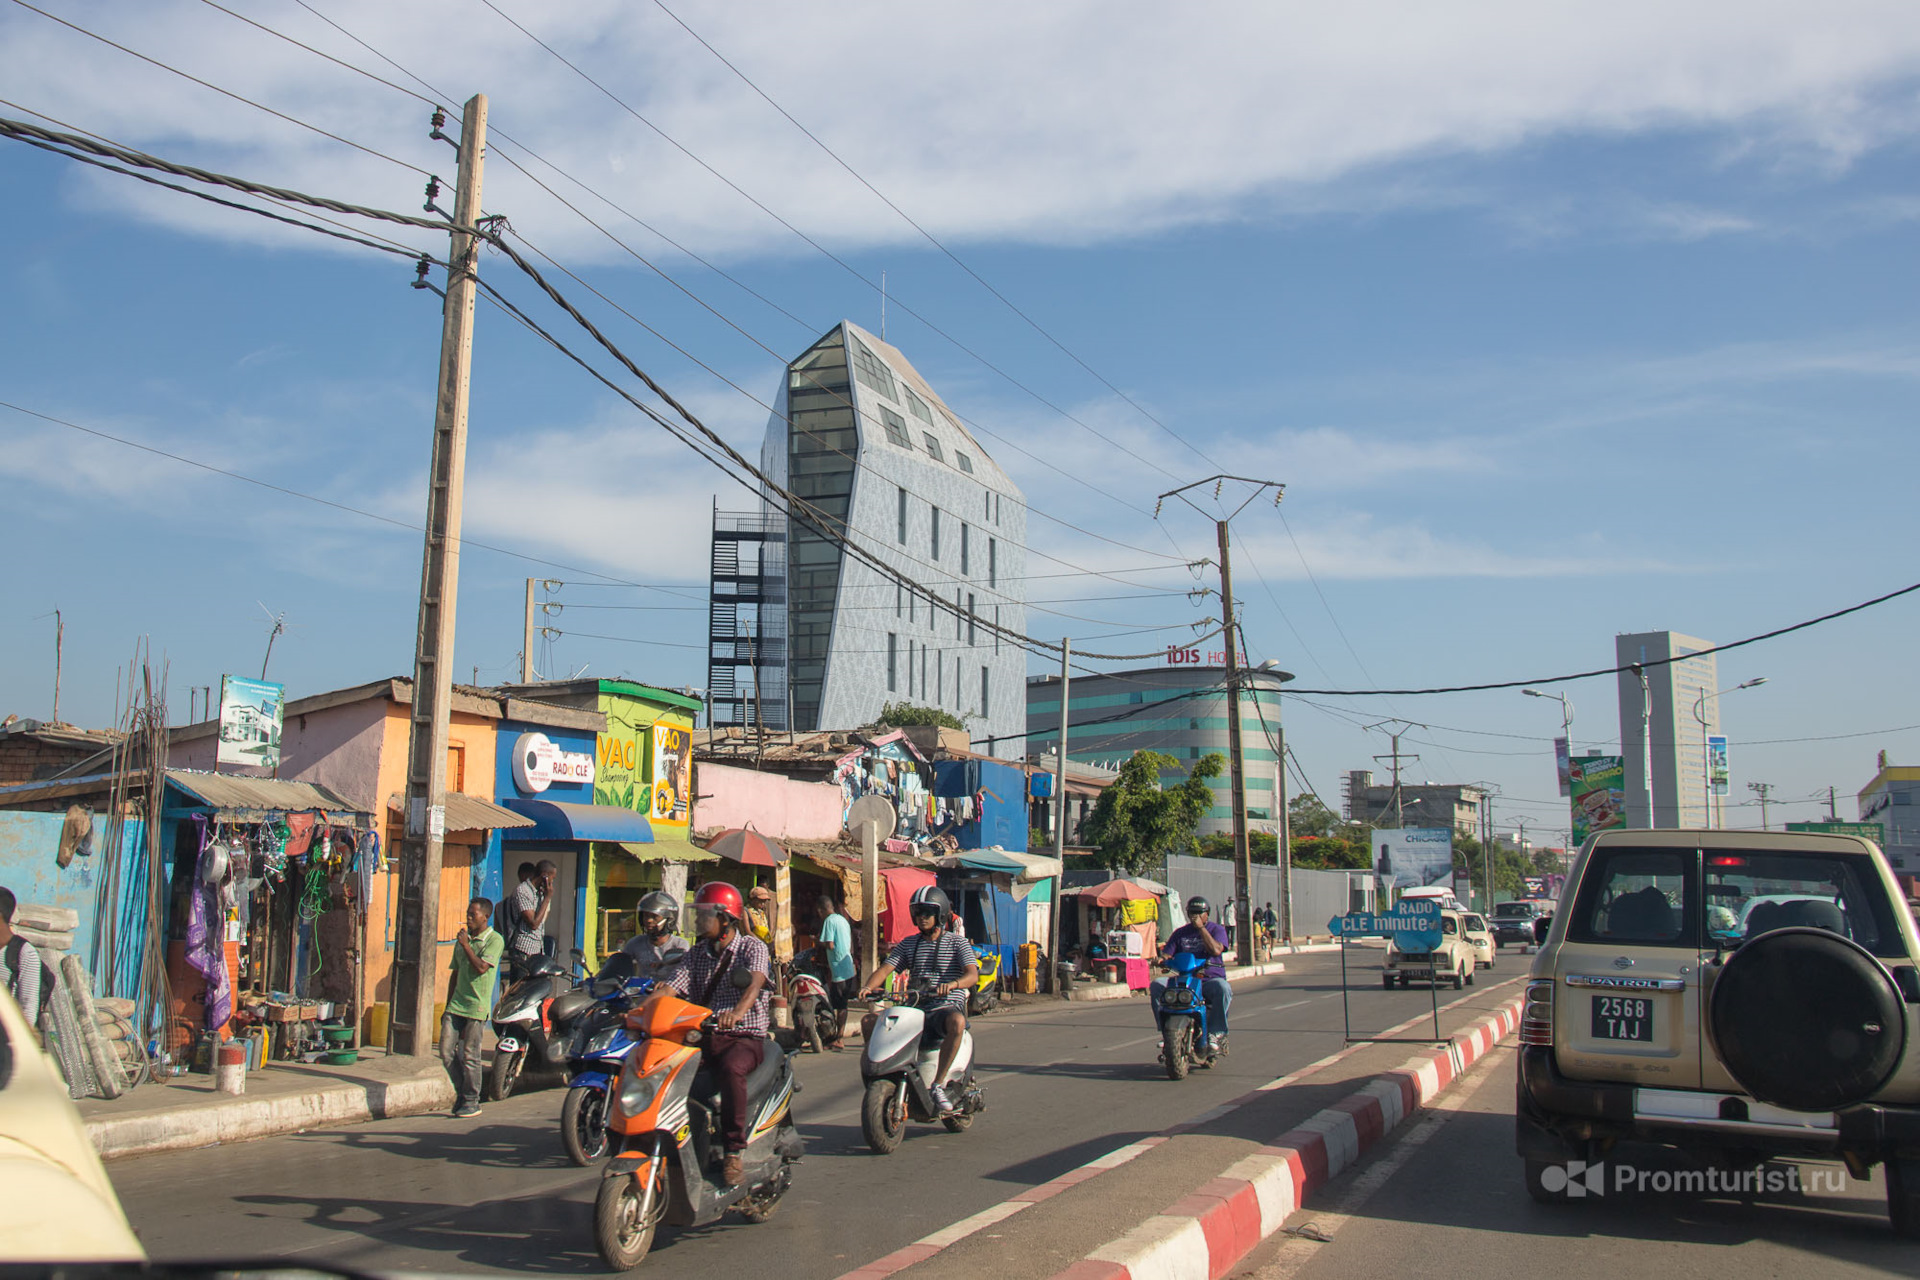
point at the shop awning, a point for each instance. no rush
(471, 813)
(667, 847)
(557, 820)
(238, 795)
(1035, 866)
(991, 861)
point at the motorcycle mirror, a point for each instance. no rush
(578, 954)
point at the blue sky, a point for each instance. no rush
(1556, 325)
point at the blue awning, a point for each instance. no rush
(991, 861)
(557, 820)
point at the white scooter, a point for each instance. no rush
(898, 1065)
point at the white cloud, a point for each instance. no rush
(1072, 122)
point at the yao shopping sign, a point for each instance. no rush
(1413, 925)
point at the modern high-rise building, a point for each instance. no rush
(1660, 714)
(1179, 711)
(806, 635)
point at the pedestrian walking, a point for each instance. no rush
(836, 952)
(470, 985)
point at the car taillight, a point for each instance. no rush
(1536, 1014)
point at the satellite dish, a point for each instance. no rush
(875, 809)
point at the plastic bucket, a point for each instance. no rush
(376, 1025)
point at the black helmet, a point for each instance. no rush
(933, 899)
(1197, 904)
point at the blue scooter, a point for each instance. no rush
(1181, 1011)
(600, 1045)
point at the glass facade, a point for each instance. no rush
(822, 448)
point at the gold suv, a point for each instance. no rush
(1738, 995)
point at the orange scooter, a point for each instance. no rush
(663, 1118)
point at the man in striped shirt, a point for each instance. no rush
(942, 957)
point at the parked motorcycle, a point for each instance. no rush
(533, 1021)
(1181, 1012)
(664, 1117)
(986, 992)
(898, 1065)
(814, 1018)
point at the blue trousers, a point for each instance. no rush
(1217, 992)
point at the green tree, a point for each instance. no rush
(1306, 816)
(896, 715)
(1138, 822)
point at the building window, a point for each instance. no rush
(996, 628)
(940, 679)
(899, 595)
(993, 562)
(934, 450)
(963, 461)
(996, 508)
(923, 671)
(986, 701)
(959, 624)
(966, 540)
(893, 662)
(970, 639)
(936, 535)
(868, 368)
(900, 519)
(896, 428)
(911, 610)
(918, 407)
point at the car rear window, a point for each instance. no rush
(1638, 897)
(1750, 893)
(1515, 909)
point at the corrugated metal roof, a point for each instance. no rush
(259, 795)
(470, 813)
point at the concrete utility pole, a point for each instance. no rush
(1763, 790)
(526, 637)
(1236, 753)
(1398, 801)
(1059, 824)
(1286, 836)
(416, 965)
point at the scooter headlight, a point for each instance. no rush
(637, 1092)
(601, 1041)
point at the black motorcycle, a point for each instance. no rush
(534, 1019)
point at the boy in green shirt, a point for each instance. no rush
(476, 954)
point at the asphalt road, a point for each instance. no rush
(1064, 1083)
(1446, 1196)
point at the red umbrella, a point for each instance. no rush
(747, 847)
(1115, 892)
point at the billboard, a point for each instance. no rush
(1599, 794)
(250, 714)
(1717, 764)
(1413, 857)
(672, 772)
(1563, 765)
(1874, 831)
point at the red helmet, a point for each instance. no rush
(721, 896)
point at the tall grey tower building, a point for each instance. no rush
(858, 433)
(1677, 763)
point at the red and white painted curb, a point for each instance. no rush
(1204, 1235)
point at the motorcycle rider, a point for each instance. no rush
(1201, 936)
(740, 1042)
(939, 955)
(656, 945)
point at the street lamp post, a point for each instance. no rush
(1707, 809)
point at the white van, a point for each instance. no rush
(1437, 892)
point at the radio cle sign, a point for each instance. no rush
(1413, 924)
(538, 763)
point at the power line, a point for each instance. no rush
(205, 84)
(814, 244)
(931, 239)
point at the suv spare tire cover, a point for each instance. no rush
(1807, 1020)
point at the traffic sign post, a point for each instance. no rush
(1412, 927)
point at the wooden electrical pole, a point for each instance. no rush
(416, 965)
(1236, 755)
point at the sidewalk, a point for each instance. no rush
(185, 1111)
